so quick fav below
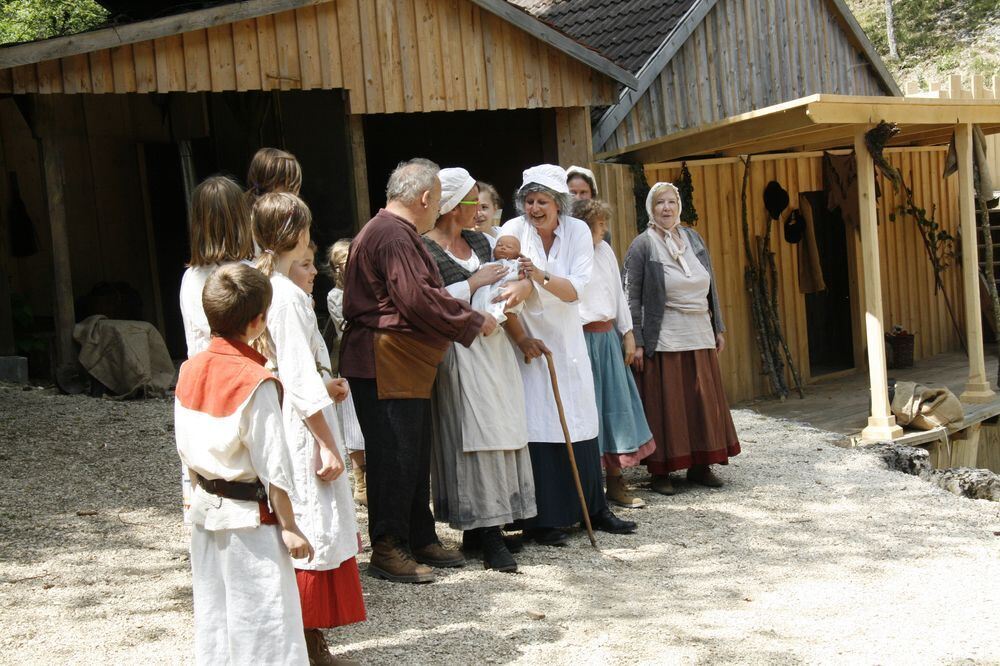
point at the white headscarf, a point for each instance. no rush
(586, 173)
(673, 238)
(455, 184)
(546, 175)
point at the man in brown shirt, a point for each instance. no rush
(400, 321)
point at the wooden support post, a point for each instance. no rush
(359, 171)
(53, 168)
(881, 424)
(977, 388)
(7, 346)
(573, 136)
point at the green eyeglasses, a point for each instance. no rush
(468, 203)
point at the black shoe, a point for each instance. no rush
(495, 553)
(606, 521)
(472, 541)
(547, 536)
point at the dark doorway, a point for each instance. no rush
(495, 146)
(828, 312)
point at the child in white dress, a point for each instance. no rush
(329, 585)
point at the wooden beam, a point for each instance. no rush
(648, 73)
(881, 424)
(977, 388)
(912, 111)
(359, 171)
(557, 40)
(53, 169)
(140, 31)
(573, 136)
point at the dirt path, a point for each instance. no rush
(811, 553)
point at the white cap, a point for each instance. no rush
(546, 175)
(455, 184)
(583, 171)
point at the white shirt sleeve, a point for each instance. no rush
(580, 247)
(623, 317)
(197, 333)
(288, 325)
(460, 290)
(263, 433)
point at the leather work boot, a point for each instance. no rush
(495, 553)
(662, 484)
(619, 495)
(319, 651)
(703, 475)
(392, 562)
(360, 484)
(436, 555)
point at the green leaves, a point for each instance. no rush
(28, 20)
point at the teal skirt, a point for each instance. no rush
(622, 422)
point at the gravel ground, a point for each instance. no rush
(811, 553)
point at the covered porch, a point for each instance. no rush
(825, 122)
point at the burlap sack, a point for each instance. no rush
(925, 408)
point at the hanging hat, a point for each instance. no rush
(586, 174)
(775, 199)
(794, 227)
(455, 184)
(547, 175)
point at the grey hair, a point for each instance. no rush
(563, 201)
(410, 179)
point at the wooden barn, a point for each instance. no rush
(102, 134)
(795, 86)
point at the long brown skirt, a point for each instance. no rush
(687, 410)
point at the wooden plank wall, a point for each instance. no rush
(746, 55)
(104, 206)
(616, 185)
(908, 293)
(392, 55)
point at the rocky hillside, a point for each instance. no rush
(935, 38)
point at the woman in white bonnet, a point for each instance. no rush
(558, 254)
(678, 328)
(581, 183)
(480, 467)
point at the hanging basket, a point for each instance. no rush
(899, 350)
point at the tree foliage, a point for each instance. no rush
(28, 20)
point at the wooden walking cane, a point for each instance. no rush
(569, 449)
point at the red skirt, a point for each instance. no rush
(687, 410)
(331, 598)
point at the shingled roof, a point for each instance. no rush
(625, 31)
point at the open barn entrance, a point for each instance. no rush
(828, 312)
(495, 146)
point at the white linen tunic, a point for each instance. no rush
(603, 298)
(324, 510)
(557, 324)
(196, 331)
(246, 600)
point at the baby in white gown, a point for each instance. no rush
(505, 252)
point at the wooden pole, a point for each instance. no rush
(359, 171)
(569, 449)
(881, 424)
(53, 168)
(977, 388)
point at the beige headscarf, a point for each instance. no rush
(673, 237)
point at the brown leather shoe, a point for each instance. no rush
(436, 555)
(360, 484)
(662, 484)
(703, 475)
(394, 563)
(319, 651)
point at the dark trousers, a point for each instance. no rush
(398, 464)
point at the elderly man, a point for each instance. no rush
(400, 322)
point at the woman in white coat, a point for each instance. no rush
(558, 255)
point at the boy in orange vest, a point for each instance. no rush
(227, 418)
